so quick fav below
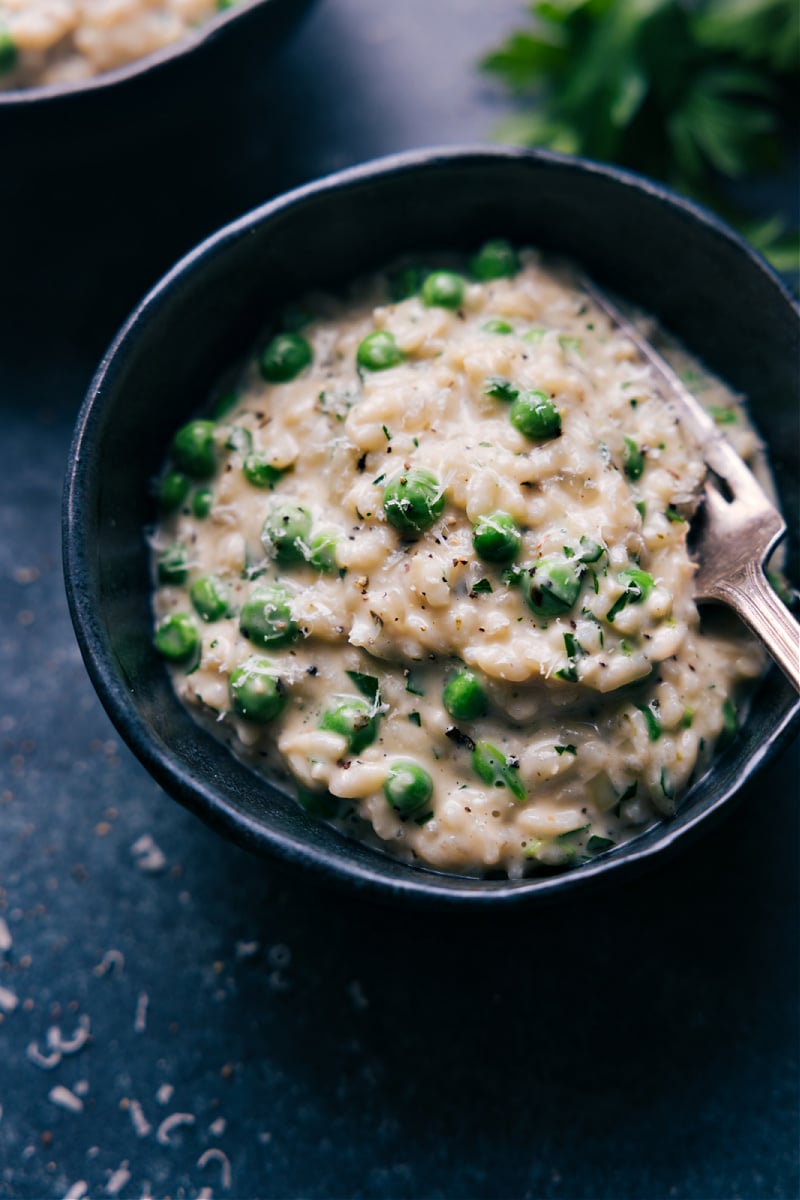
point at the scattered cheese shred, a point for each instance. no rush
(77, 1191)
(64, 1098)
(215, 1155)
(118, 1180)
(140, 1121)
(173, 1121)
(247, 949)
(149, 857)
(80, 1037)
(47, 1062)
(140, 1019)
(8, 1000)
(112, 960)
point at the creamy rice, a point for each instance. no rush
(586, 693)
(67, 41)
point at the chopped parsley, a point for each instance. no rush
(368, 685)
(412, 685)
(651, 721)
(499, 388)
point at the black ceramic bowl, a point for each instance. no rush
(669, 256)
(86, 119)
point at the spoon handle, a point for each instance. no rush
(751, 596)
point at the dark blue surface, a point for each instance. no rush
(642, 1042)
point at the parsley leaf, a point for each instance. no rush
(696, 96)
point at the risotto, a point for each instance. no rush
(426, 567)
(67, 41)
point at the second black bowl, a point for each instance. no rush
(675, 260)
(57, 133)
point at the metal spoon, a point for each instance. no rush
(740, 525)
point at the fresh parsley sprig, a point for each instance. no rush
(694, 92)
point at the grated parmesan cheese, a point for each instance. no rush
(215, 1155)
(247, 949)
(8, 1000)
(140, 1017)
(47, 1062)
(140, 1122)
(80, 1037)
(112, 960)
(119, 1178)
(173, 1121)
(77, 1191)
(149, 857)
(64, 1098)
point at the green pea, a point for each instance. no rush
(535, 416)
(8, 51)
(266, 617)
(638, 586)
(464, 697)
(494, 260)
(173, 490)
(408, 786)
(240, 440)
(284, 358)
(259, 472)
(443, 289)
(413, 500)
(492, 766)
(177, 637)
(317, 804)
(354, 719)
(552, 586)
(202, 500)
(496, 537)
(322, 551)
(378, 351)
(194, 450)
(404, 283)
(172, 565)
(286, 531)
(210, 597)
(226, 402)
(256, 692)
(496, 326)
(632, 459)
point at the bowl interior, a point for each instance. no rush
(698, 278)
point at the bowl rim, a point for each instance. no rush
(423, 884)
(148, 64)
